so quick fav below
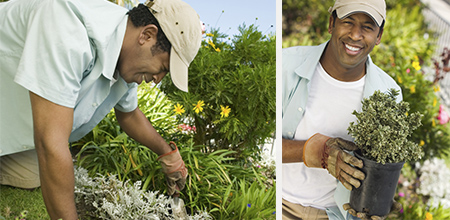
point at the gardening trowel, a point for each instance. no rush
(178, 209)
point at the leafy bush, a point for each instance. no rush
(231, 99)
(108, 151)
(383, 128)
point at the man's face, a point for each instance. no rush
(143, 63)
(353, 38)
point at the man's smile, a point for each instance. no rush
(352, 50)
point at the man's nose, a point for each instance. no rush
(355, 33)
(158, 77)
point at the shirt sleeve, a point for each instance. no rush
(56, 53)
(128, 102)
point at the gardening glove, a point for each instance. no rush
(396, 207)
(321, 151)
(174, 168)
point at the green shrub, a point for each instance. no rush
(231, 99)
(383, 129)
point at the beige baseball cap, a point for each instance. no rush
(182, 27)
(376, 9)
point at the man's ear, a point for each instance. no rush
(379, 36)
(330, 24)
(148, 33)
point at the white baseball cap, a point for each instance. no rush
(182, 27)
(376, 9)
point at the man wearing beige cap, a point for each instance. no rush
(65, 64)
(322, 85)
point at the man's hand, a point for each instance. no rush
(324, 152)
(174, 168)
(396, 207)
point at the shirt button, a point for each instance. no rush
(289, 133)
(300, 109)
(94, 104)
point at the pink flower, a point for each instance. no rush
(443, 116)
(182, 126)
(203, 27)
(408, 70)
(401, 194)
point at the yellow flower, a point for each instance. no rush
(225, 111)
(428, 216)
(433, 123)
(212, 44)
(416, 65)
(413, 89)
(199, 106)
(421, 143)
(209, 35)
(416, 57)
(434, 102)
(399, 80)
(437, 88)
(218, 49)
(178, 109)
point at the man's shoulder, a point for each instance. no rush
(383, 76)
(298, 50)
(293, 57)
(380, 80)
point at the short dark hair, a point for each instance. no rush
(334, 14)
(140, 16)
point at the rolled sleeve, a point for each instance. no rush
(129, 101)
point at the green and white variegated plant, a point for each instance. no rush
(383, 128)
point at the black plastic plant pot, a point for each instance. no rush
(377, 190)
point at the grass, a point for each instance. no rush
(13, 201)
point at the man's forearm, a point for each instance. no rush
(57, 181)
(52, 125)
(292, 151)
(137, 126)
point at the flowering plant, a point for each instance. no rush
(384, 127)
(232, 96)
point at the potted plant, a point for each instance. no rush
(381, 134)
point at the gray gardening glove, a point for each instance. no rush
(324, 152)
(173, 166)
(396, 207)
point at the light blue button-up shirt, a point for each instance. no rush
(65, 51)
(298, 66)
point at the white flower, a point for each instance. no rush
(435, 182)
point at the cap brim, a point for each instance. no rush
(346, 10)
(178, 71)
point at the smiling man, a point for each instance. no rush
(322, 86)
(65, 64)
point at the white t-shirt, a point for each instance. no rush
(329, 112)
